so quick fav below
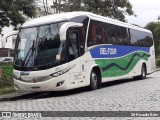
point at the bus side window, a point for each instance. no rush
(72, 45)
(112, 33)
(81, 40)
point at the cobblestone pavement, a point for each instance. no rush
(122, 95)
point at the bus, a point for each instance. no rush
(76, 49)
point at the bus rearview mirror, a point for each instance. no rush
(65, 27)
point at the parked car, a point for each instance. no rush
(6, 59)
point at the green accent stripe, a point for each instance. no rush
(120, 66)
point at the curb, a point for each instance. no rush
(158, 69)
(10, 96)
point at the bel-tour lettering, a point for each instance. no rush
(108, 51)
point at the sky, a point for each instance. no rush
(146, 11)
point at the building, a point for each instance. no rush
(6, 52)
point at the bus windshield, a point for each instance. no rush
(39, 46)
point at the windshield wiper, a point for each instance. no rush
(40, 40)
(32, 49)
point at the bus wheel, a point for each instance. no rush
(143, 73)
(93, 80)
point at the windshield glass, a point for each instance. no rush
(39, 46)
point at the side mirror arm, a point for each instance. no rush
(64, 28)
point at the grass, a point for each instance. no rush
(7, 76)
(6, 82)
(158, 62)
(6, 89)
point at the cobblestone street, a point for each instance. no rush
(122, 95)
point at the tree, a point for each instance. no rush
(112, 8)
(14, 12)
(72, 5)
(155, 28)
(44, 7)
(116, 9)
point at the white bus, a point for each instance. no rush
(76, 49)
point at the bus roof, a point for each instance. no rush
(68, 15)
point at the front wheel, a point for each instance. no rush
(143, 73)
(93, 80)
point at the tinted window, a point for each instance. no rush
(105, 33)
(72, 45)
(141, 38)
(81, 30)
(97, 33)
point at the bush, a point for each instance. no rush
(158, 61)
(7, 74)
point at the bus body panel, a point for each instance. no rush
(27, 80)
(48, 85)
(77, 74)
(151, 65)
(114, 61)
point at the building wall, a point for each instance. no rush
(5, 52)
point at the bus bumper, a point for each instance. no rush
(59, 83)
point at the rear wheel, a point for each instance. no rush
(143, 73)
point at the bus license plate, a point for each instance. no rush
(36, 89)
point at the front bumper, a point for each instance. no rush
(59, 83)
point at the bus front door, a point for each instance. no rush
(74, 61)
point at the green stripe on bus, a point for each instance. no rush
(120, 66)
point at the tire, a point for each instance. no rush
(143, 73)
(93, 80)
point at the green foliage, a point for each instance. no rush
(14, 11)
(6, 82)
(116, 9)
(6, 90)
(112, 8)
(158, 61)
(7, 75)
(155, 28)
